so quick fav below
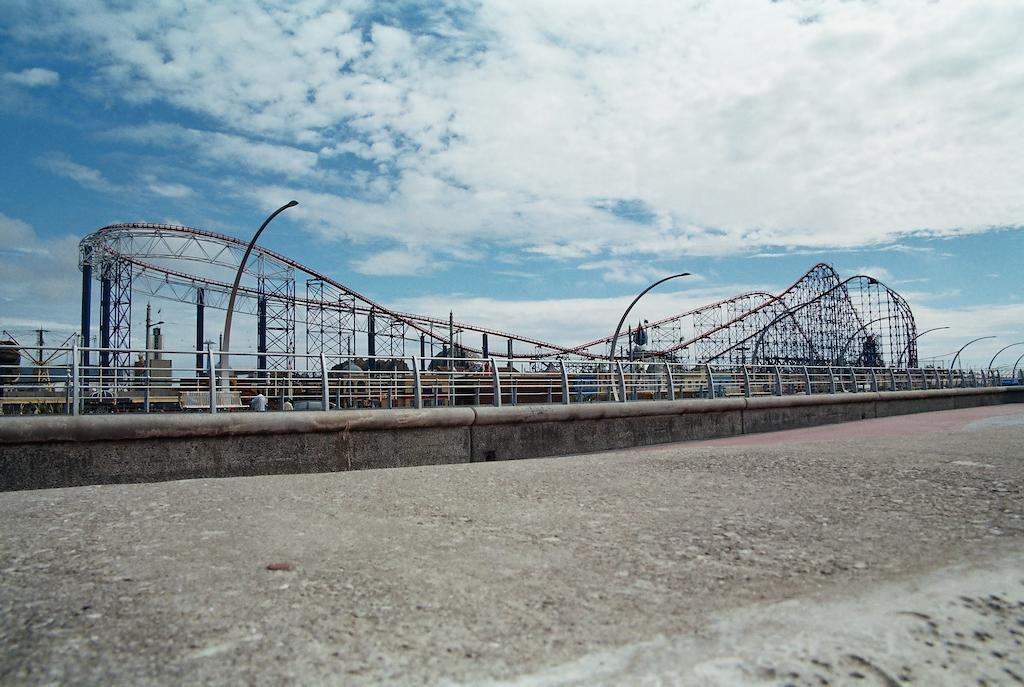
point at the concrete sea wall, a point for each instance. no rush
(45, 452)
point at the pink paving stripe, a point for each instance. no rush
(919, 423)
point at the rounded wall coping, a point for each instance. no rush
(803, 400)
(486, 415)
(34, 430)
(942, 393)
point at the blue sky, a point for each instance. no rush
(531, 165)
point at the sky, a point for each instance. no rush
(531, 165)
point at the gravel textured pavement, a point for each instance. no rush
(882, 552)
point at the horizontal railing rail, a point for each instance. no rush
(78, 380)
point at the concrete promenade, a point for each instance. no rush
(887, 551)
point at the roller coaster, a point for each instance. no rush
(820, 319)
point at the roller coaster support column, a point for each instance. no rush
(226, 343)
(200, 321)
(86, 303)
(104, 319)
(371, 337)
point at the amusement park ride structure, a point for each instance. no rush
(819, 320)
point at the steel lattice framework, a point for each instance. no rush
(819, 320)
(176, 262)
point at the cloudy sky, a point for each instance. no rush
(531, 165)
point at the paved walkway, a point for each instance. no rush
(850, 555)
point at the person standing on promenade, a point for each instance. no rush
(258, 403)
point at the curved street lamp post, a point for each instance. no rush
(226, 343)
(957, 356)
(1013, 370)
(911, 343)
(1019, 343)
(618, 329)
(949, 372)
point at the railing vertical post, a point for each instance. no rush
(949, 376)
(621, 381)
(807, 382)
(711, 380)
(325, 391)
(831, 380)
(747, 393)
(76, 379)
(853, 379)
(974, 379)
(145, 391)
(938, 380)
(514, 390)
(417, 384)
(565, 382)
(892, 379)
(671, 381)
(778, 380)
(495, 384)
(874, 379)
(212, 367)
(984, 380)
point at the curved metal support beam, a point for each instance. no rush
(957, 356)
(226, 343)
(618, 329)
(1019, 343)
(911, 343)
(1013, 370)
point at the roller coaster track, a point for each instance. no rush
(803, 321)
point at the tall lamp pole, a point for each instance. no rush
(226, 343)
(618, 329)
(911, 343)
(1019, 343)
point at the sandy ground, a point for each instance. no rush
(883, 552)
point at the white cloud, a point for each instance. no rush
(31, 78)
(879, 273)
(40, 277)
(249, 155)
(393, 263)
(81, 174)
(167, 189)
(567, 321)
(738, 126)
(1003, 321)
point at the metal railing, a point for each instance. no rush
(79, 380)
